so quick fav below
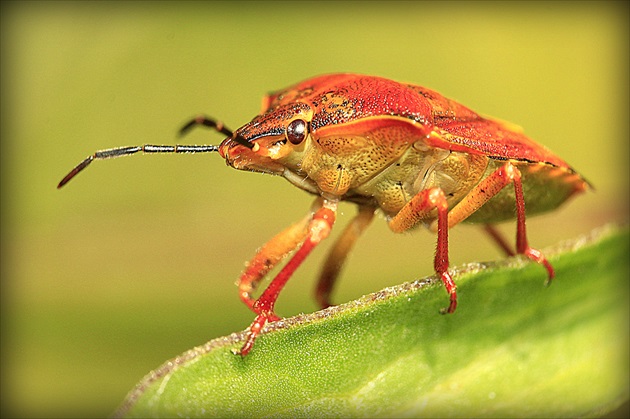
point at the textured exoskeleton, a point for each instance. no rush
(406, 150)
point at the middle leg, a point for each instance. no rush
(420, 208)
(339, 252)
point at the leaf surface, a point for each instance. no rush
(514, 348)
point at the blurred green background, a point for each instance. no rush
(135, 260)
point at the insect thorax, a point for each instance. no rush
(384, 174)
(421, 168)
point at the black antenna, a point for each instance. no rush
(150, 148)
(207, 122)
(217, 125)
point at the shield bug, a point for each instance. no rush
(405, 150)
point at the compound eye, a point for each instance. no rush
(296, 131)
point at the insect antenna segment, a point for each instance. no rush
(207, 122)
(216, 125)
(151, 148)
(125, 151)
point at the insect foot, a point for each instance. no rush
(401, 149)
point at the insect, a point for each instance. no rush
(405, 150)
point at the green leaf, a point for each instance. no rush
(514, 348)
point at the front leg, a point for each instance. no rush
(317, 230)
(268, 256)
(419, 208)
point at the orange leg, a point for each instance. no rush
(419, 208)
(318, 229)
(488, 188)
(268, 256)
(339, 252)
(522, 245)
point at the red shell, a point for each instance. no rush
(340, 99)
